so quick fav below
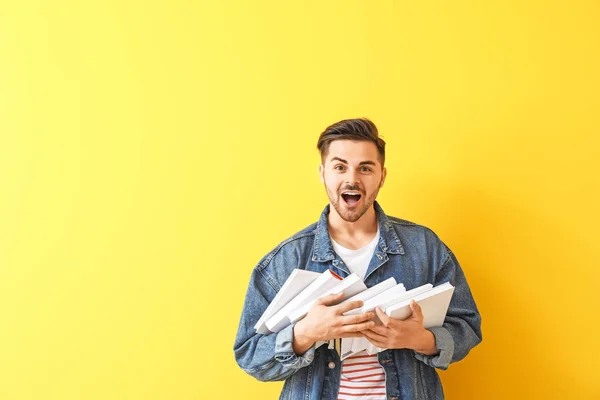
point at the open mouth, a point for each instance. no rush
(351, 198)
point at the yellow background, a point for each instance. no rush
(152, 152)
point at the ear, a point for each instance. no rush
(322, 172)
(383, 175)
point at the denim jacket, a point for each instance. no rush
(410, 253)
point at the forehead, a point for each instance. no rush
(353, 151)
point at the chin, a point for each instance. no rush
(352, 216)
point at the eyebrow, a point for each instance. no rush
(346, 162)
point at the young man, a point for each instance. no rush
(355, 235)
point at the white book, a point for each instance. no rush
(373, 291)
(326, 281)
(351, 285)
(298, 280)
(346, 350)
(382, 300)
(434, 305)
(372, 349)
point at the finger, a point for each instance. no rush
(356, 319)
(417, 313)
(349, 305)
(372, 335)
(358, 327)
(330, 299)
(377, 343)
(385, 319)
(351, 335)
(380, 329)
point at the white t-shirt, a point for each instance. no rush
(357, 260)
(362, 375)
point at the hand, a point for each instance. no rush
(326, 321)
(402, 334)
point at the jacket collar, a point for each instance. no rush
(389, 240)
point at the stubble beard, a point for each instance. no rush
(350, 215)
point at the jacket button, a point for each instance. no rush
(331, 365)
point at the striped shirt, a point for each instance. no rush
(362, 378)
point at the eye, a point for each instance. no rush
(339, 167)
(366, 169)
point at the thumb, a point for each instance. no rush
(330, 299)
(417, 313)
(383, 317)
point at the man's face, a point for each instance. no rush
(353, 175)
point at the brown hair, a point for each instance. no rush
(358, 129)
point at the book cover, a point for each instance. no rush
(298, 280)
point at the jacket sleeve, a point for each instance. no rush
(268, 357)
(461, 330)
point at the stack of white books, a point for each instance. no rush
(303, 288)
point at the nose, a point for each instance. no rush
(352, 177)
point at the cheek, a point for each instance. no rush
(332, 183)
(333, 187)
(372, 185)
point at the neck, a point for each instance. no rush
(366, 225)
